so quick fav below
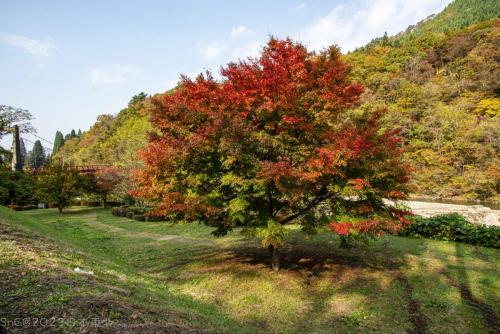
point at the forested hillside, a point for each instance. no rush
(438, 81)
(112, 140)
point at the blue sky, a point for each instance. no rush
(70, 61)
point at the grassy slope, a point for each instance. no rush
(177, 276)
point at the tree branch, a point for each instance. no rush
(321, 196)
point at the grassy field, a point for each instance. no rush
(155, 277)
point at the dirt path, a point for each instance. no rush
(417, 319)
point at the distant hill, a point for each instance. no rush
(439, 81)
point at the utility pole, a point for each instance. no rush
(17, 165)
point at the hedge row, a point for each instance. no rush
(136, 213)
(22, 207)
(453, 227)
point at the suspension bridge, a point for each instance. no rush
(17, 164)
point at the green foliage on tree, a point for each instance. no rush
(16, 188)
(58, 142)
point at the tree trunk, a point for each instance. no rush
(104, 198)
(60, 208)
(275, 257)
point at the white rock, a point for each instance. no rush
(81, 271)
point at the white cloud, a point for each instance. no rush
(250, 49)
(113, 74)
(33, 46)
(241, 31)
(355, 24)
(211, 51)
(301, 7)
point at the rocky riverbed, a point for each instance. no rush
(477, 214)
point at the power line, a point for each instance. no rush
(45, 140)
(31, 142)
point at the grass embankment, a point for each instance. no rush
(159, 277)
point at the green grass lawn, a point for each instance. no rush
(156, 277)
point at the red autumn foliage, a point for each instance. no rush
(270, 141)
(341, 228)
(106, 180)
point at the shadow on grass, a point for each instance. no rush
(322, 273)
(316, 259)
(462, 283)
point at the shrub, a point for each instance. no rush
(30, 207)
(140, 218)
(123, 212)
(119, 211)
(453, 227)
(130, 214)
(115, 211)
(16, 207)
(137, 209)
(151, 218)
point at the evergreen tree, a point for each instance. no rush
(58, 142)
(73, 133)
(79, 133)
(37, 155)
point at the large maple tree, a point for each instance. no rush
(275, 141)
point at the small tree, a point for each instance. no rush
(275, 142)
(58, 184)
(106, 180)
